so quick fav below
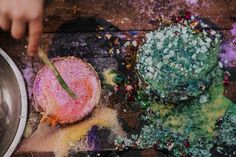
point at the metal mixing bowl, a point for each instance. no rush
(13, 105)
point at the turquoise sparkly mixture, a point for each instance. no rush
(178, 63)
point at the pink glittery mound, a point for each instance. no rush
(54, 102)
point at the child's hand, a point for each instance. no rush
(18, 15)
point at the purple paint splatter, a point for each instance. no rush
(233, 30)
(93, 141)
(228, 54)
(28, 75)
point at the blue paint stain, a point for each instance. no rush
(133, 33)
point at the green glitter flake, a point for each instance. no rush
(227, 131)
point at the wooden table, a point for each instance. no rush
(124, 16)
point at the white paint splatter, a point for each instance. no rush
(191, 2)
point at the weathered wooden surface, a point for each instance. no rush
(124, 15)
(136, 14)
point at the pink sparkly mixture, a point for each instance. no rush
(55, 102)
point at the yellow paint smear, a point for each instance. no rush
(109, 77)
(204, 116)
(60, 140)
(213, 111)
(162, 109)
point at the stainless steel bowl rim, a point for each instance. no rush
(24, 107)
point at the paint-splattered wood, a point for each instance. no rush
(122, 15)
(88, 45)
(136, 14)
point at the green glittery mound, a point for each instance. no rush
(188, 130)
(177, 63)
